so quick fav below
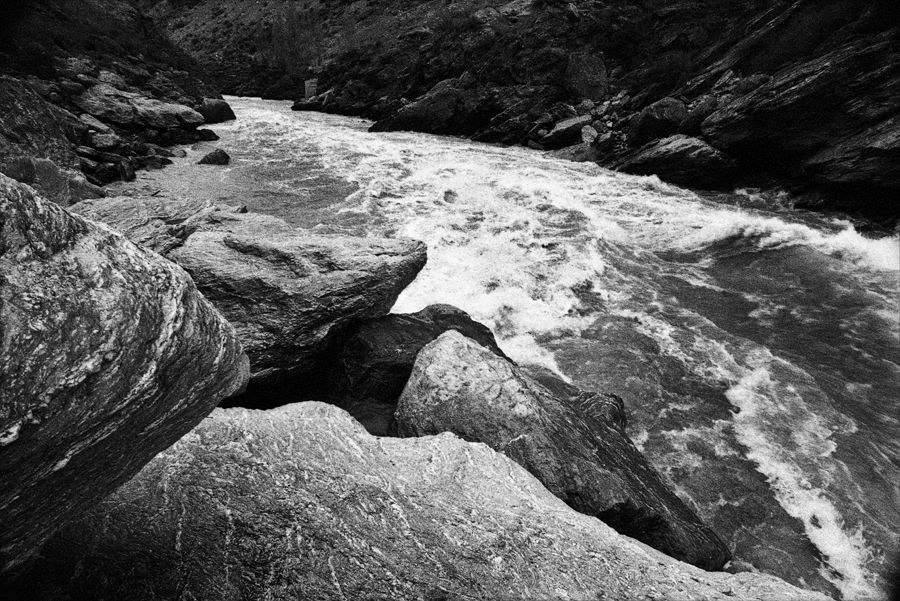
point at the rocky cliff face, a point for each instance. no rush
(802, 93)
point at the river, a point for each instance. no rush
(757, 348)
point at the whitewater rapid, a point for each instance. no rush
(790, 319)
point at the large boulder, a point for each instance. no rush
(131, 109)
(216, 157)
(566, 132)
(586, 77)
(448, 108)
(300, 502)
(576, 447)
(216, 110)
(682, 160)
(659, 120)
(285, 292)
(367, 365)
(108, 355)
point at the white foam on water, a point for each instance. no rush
(777, 427)
(882, 254)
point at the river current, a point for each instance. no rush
(757, 349)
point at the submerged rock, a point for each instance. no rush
(301, 502)
(367, 366)
(216, 157)
(576, 447)
(216, 110)
(682, 160)
(284, 292)
(108, 355)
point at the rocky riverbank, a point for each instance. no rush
(794, 94)
(89, 93)
(250, 500)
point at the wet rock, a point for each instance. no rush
(570, 445)
(109, 355)
(565, 132)
(285, 292)
(301, 500)
(216, 157)
(131, 109)
(207, 135)
(579, 153)
(656, 121)
(586, 77)
(682, 160)
(367, 366)
(215, 110)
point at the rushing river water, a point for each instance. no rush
(758, 352)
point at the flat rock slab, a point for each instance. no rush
(108, 355)
(130, 109)
(285, 292)
(163, 223)
(576, 447)
(300, 502)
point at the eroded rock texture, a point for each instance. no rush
(300, 502)
(285, 292)
(108, 355)
(576, 447)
